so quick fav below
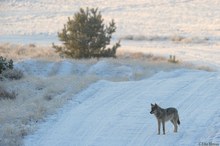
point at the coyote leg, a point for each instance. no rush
(163, 122)
(159, 123)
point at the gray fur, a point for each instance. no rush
(163, 115)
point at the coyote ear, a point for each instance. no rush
(152, 104)
(155, 104)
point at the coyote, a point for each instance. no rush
(164, 115)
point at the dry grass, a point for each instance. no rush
(174, 39)
(20, 52)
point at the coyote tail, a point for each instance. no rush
(178, 121)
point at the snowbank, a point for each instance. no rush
(117, 114)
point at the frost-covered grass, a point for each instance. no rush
(50, 81)
(36, 98)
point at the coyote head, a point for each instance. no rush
(154, 108)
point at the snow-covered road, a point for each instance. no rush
(117, 114)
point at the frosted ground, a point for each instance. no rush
(107, 102)
(188, 29)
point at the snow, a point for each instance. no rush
(158, 17)
(117, 113)
(188, 29)
(107, 69)
(109, 113)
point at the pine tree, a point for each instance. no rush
(86, 36)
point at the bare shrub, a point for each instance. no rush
(48, 97)
(13, 74)
(4, 94)
(32, 45)
(5, 64)
(177, 39)
(172, 59)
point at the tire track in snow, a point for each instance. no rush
(118, 103)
